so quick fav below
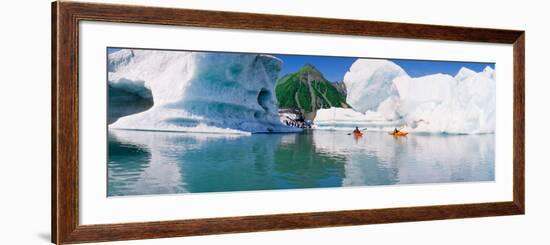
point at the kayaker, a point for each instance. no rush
(356, 131)
(395, 131)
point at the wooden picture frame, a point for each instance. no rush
(65, 121)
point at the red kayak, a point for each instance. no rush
(357, 135)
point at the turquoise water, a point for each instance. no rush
(145, 163)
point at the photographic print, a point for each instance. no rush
(204, 121)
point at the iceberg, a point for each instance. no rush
(197, 91)
(339, 118)
(347, 119)
(464, 73)
(369, 82)
(437, 103)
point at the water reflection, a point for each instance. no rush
(161, 163)
(379, 158)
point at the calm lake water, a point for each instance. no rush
(144, 163)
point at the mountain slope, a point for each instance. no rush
(308, 91)
(341, 87)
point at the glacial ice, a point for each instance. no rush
(369, 82)
(198, 91)
(437, 103)
(337, 118)
(464, 73)
(347, 119)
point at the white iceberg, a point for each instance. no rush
(369, 82)
(347, 119)
(338, 118)
(438, 103)
(464, 73)
(198, 91)
(464, 104)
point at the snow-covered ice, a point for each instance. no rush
(369, 82)
(437, 103)
(199, 91)
(347, 119)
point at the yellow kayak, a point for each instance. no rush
(399, 133)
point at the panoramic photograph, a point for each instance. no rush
(202, 121)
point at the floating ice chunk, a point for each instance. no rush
(369, 82)
(199, 91)
(438, 103)
(464, 73)
(347, 119)
(388, 108)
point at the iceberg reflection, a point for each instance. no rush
(144, 162)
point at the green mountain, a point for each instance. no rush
(341, 87)
(308, 90)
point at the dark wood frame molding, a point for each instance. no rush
(65, 120)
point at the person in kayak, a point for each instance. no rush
(395, 131)
(356, 131)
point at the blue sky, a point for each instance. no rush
(112, 50)
(334, 68)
